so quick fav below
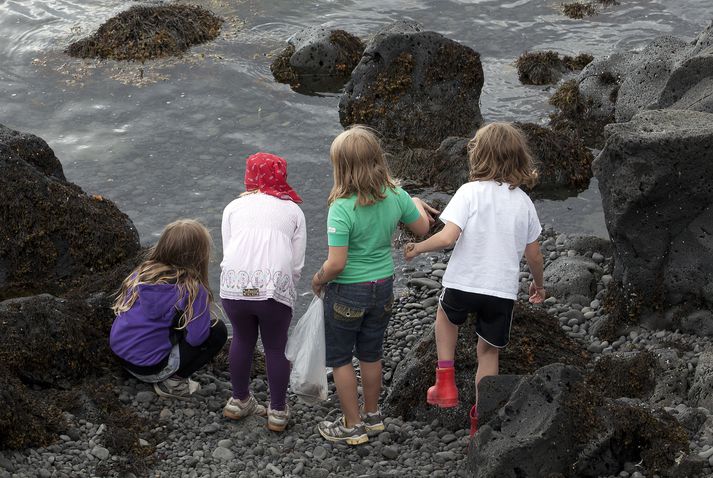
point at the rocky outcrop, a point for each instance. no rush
(536, 340)
(562, 160)
(51, 230)
(654, 177)
(318, 59)
(559, 422)
(147, 32)
(416, 88)
(701, 392)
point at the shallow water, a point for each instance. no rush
(168, 139)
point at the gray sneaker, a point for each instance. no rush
(236, 409)
(277, 419)
(337, 431)
(373, 422)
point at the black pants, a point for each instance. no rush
(192, 358)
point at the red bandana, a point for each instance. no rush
(267, 173)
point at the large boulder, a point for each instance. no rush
(654, 176)
(536, 340)
(51, 230)
(558, 422)
(562, 160)
(416, 88)
(701, 392)
(147, 32)
(318, 59)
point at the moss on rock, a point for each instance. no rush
(579, 10)
(147, 32)
(573, 115)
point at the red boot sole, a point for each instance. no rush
(448, 403)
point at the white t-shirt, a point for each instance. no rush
(496, 223)
(264, 241)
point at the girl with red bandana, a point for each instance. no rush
(264, 238)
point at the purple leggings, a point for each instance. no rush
(273, 319)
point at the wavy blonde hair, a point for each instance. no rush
(499, 152)
(181, 256)
(359, 167)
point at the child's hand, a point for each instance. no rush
(410, 251)
(537, 294)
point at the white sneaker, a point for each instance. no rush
(277, 419)
(236, 409)
(181, 388)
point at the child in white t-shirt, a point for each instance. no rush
(492, 222)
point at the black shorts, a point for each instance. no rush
(493, 314)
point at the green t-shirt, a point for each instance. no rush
(367, 231)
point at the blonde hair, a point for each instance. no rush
(359, 167)
(499, 152)
(181, 256)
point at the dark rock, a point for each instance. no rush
(671, 378)
(658, 211)
(50, 230)
(534, 433)
(31, 149)
(583, 244)
(569, 276)
(701, 392)
(547, 67)
(493, 393)
(631, 375)
(146, 32)
(692, 419)
(318, 59)
(562, 160)
(536, 340)
(415, 88)
(699, 322)
(579, 10)
(600, 82)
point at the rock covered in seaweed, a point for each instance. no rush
(416, 88)
(547, 67)
(654, 176)
(147, 32)
(318, 59)
(50, 230)
(536, 341)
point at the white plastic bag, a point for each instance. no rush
(306, 349)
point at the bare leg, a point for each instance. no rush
(446, 336)
(345, 380)
(488, 363)
(371, 381)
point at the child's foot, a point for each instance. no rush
(277, 419)
(473, 421)
(176, 387)
(338, 431)
(444, 393)
(236, 409)
(373, 422)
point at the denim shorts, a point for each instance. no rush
(355, 319)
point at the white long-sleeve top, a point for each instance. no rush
(264, 240)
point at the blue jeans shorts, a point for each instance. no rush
(355, 320)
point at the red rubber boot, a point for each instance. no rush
(473, 421)
(444, 393)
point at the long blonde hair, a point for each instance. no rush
(499, 152)
(359, 167)
(181, 256)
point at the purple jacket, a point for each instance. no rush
(141, 334)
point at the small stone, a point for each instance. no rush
(210, 428)
(390, 452)
(165, 414)
(227, 443)
(145, 397)
(424, 282)
(597, 257)
(143, 442)
(275, 470)
(100, 452)
(42, 473)
(223, 454)
(320, 452)
(606, 279)
(298, 469)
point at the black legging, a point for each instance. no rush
(192, 358)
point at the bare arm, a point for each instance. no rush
(332, 267)
(422, 225)
(444, 239)
(535, 262)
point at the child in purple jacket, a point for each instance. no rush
(163, 331)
